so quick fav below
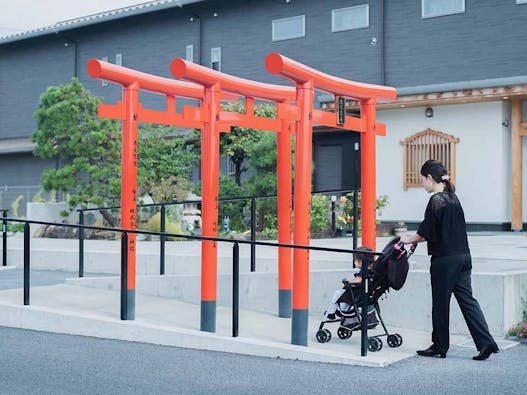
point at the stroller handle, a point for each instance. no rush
(412, 249)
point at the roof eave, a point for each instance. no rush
(93, 20)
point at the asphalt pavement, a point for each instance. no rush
(48, 363)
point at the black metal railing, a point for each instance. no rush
(4, 237)
(235, 262)
(251, 199)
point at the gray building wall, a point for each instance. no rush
(27, 69)
(486, 41)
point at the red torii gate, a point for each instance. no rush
(307, 80)
(211, 120)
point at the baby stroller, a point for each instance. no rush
(389, 271)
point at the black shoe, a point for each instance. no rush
(431, 352)
(485, 352)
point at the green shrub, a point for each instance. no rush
(16, 205)
(319, 213)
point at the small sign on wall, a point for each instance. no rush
(341, 110)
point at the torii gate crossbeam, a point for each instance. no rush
(307, 80)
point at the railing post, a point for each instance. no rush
(333, 214)
(235, 288)
(26, 263)
(81, 244)
(364, 311)
(355, 217)
(4, 238)
(162, 241)
(253, 234)
(124, 276)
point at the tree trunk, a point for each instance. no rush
(110, 219)
(238, 172)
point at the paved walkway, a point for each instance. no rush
(95, 312)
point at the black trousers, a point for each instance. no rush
(451, 274)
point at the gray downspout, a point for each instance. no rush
(75, 52)
(383, 37)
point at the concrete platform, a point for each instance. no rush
(95, 312)
(162, 319)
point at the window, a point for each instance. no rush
(215, 58)
(432, 8)
(189, 54)
(288, 28)
(119, 59)
(521, 1)
(350, 18)
(231, 167)
(104, 82)
(428, 144)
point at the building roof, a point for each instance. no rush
(16, 145)
(93, 19)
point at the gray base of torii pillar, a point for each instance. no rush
(284, 303)
(299, 327)
(208, 316)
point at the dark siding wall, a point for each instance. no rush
(243, 30)
(147, 43)
(22, 169)
(26, 70)
(487, 41)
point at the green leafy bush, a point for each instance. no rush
(520, 329)
(320, 213)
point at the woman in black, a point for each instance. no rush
(444, 229)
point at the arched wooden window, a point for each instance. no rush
(428, 144)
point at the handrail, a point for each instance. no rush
(220, 200)
(252, 199)
(124, 255)
(183, 236)
(300, 73)
(181, 68)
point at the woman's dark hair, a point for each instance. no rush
(365, 255)
(438, 173)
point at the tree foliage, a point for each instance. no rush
(88, 152)
(238, 142)
(165, 161)
(86, 147)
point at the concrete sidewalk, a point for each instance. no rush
(95, 312)
(79, 310)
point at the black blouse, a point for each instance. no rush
(444, 226)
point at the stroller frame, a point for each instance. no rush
(379, 283)
(375, 343)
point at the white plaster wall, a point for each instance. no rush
(524, 196)
(524, 189)
(481, 155)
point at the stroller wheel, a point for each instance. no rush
(328, 333)
(344, 333)
(322, 335)
(393, 341)
(399, 338)
(374, 344)
(379, 342)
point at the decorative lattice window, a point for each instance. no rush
(425, 145)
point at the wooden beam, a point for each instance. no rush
(476, 95)
(516, 173)
(523, 129)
